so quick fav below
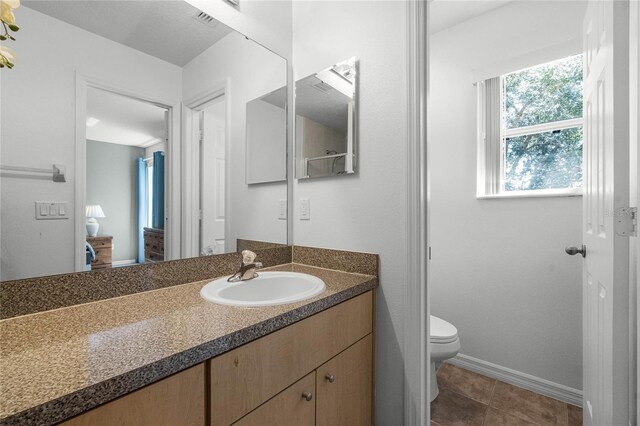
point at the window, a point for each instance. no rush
(530, 131)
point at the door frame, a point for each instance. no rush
(172, 189)
(190, 178)
(634, 274)
(416, 345)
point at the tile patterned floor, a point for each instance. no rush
(468, 398)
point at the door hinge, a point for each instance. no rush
(627, 221)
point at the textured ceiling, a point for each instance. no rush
(317, 101)
(123, 120)
(448, 13)
(164, 29)
(329, 108)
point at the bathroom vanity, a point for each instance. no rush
(170, 357)
(309, 373)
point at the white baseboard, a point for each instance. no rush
(516, 378)
(118, 263)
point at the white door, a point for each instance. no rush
(212, 175)
(606, 267)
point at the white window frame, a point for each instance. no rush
(491, 171)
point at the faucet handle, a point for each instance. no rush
(248, 257)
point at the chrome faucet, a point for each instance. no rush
(248, 268)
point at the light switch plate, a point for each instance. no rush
(305, 209)
(282, 209)
(52, 210)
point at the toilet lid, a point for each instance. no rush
(441, 331)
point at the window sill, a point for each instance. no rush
(533, 194)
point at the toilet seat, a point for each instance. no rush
(441, 331)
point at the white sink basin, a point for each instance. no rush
(268, 289)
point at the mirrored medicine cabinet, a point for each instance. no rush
(326, 121)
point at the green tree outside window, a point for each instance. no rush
(544, 94)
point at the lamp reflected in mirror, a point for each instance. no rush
(93, 212)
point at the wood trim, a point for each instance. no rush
(517, 378)
(416, 316)
(176, 400)
(246, 377)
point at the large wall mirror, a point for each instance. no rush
(143, 108)
(266, 128)
(326, 122)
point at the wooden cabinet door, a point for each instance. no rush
(294, 406)
(246, 377)
(344, 387)
(176, 400)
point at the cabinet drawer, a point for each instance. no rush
(100, 243)
(246, 377)
(103, 255)
(289, 407)
(176, 400)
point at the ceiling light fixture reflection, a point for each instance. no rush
(92, 121)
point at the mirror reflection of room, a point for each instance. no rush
(266, 128)
(325, 121)
(126, 143)
(211, 122)
(147, 121)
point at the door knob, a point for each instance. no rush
(330, 377)
(307, 395)
(573, 250)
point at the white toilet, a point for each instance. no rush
(444, 345)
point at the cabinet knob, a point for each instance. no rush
(307, 395)
(330, 377)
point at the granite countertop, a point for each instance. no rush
(59, 363)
